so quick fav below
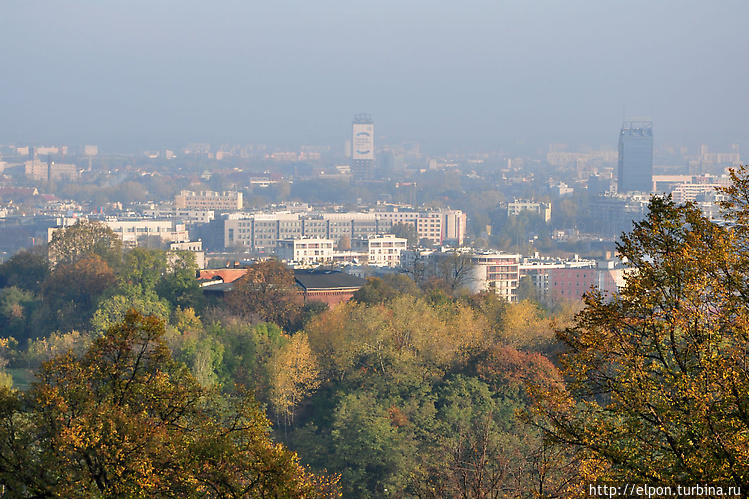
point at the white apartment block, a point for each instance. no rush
(208, 200)
(497, 272)
(305, 250)
(383, 250)
(130, 230)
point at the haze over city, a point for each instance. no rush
(475, 74)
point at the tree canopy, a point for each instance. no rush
(127, 420)
(658, 384)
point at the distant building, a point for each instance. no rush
(438, 226)
(327, 286)
(636, 156)
(496, 272)
(39, 170)
(209, 200)
(362, 149)
(518, 206)
(194, 247)
(305, 250)
(383, 250)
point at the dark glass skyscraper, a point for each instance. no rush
(636, 156)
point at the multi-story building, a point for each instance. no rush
(518, 206)
(495, 272)
(131, 230)
(381, 250)
(362, 147)
(39, 170)
(636, 156)
(438, 226)
(539, 271)
(570, 283)
(305, 250)
(209, 200)
(261, 232)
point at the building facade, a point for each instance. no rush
(305, 250)
(208, 200)
(362, 147)
(636, 156)
(381, 250)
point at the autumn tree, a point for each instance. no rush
(294, 375)
(269, 292)
(126, 420)
(657, 375)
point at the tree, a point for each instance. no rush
(294, 375)
(27, 269)
(455, 269)
(126, 420)
(406, 231)
(72, 290)
(84, 238)
(658, 374)
(267, 291)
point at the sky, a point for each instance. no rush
(460, 74)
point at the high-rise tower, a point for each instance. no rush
(362, 147)
(636, 156)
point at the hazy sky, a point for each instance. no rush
(467, 73)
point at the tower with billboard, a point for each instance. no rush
(636, 156)
(362, 147)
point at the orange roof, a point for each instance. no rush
(227, 275)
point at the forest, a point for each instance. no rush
(126, 380)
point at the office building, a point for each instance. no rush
(362, 147)
(636, 156)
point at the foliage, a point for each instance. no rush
(293, 376)
(71, 292)
(85, 238)
(126, 420)
(658, 379)
(268, 291)
(16, 307)
(26, 270)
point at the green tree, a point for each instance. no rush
(27, 269)
(178, 285)
(658, 377)
(84, 238)
(126, 420)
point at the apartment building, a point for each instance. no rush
(383, 250)
(305, 250)
(209, 200)
(439, 226)
(497, 272)
(518, 206)
(261, 232)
